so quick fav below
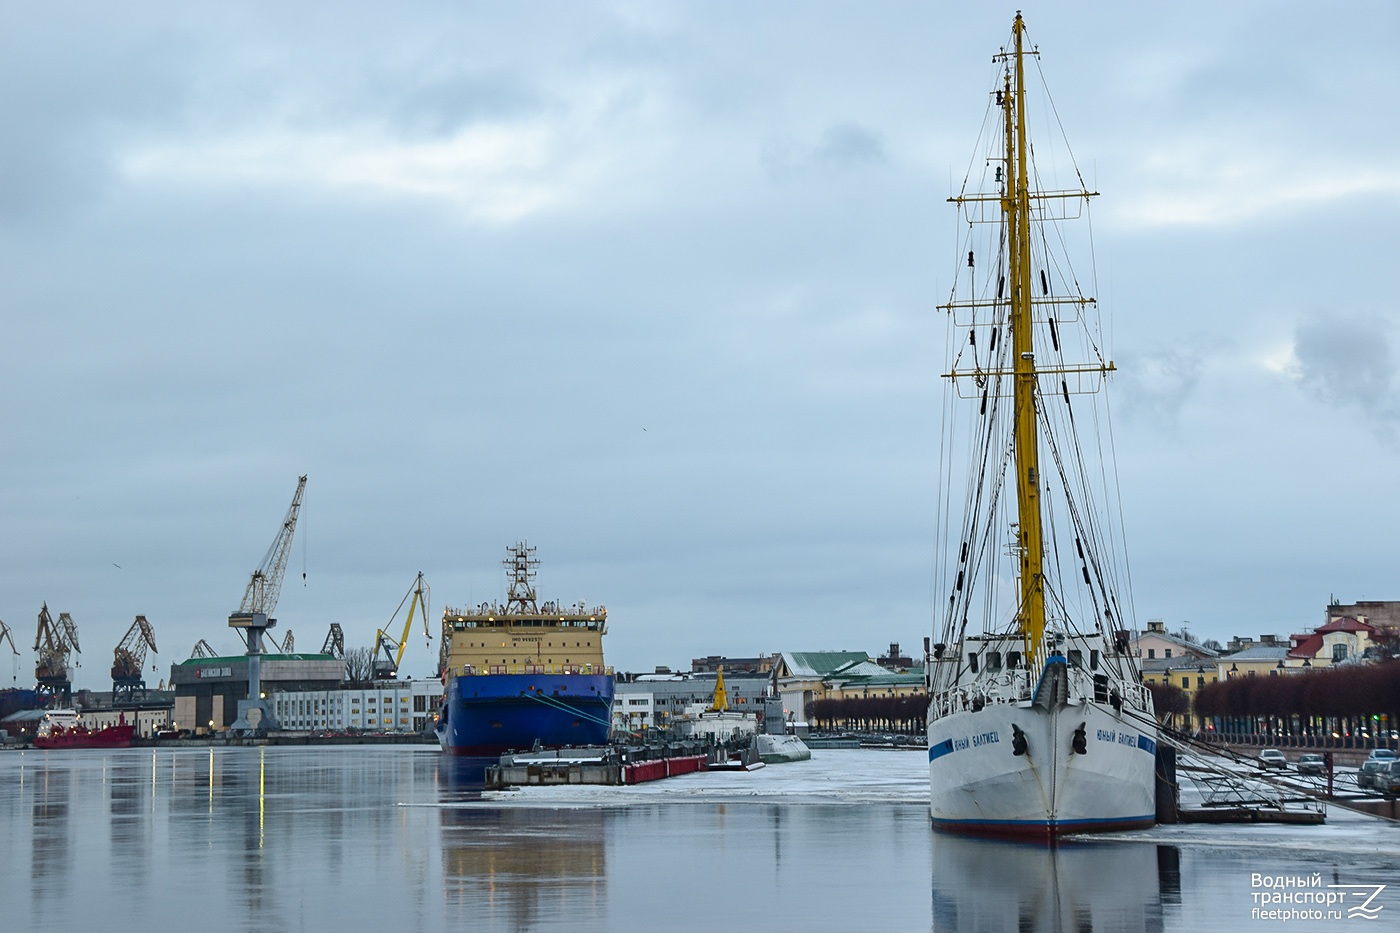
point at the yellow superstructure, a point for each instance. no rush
(523, 636)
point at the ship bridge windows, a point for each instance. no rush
(972, 661)
(1076, 658)
(993, 660)
(1013, 659)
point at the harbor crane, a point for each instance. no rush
(265, 585)
(444, 647)
(334, 645)
(6, 636)
(286, 646)
(202, 649)
(253, 616)
(388, 653)
(128, 662)
(55, 642)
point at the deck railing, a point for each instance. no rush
(473, 670)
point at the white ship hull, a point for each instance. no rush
(978, 785)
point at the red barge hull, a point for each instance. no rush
(118, 736)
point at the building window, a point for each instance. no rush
(1167, 653)
(1151, 653)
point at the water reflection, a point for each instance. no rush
(460, 777)
(51, 851)
(1074, 887)
(350, 838)
(523, 866)
(129, 831)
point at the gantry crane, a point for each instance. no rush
(129, 660)
(334, 645)
(202, 649)
(6, 636)
(253, 616)
(388, 653)
(287, 645)
(55, 641)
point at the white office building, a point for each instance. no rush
(390, 706)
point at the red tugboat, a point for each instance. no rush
(60, 728)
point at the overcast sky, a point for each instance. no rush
(653, 286)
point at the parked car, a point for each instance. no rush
(1367, 777)
(1388, 779)
(1311, 764)
(1381, 754)
(1273, 758)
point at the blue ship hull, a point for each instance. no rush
(491, 714)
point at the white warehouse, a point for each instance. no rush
(391, 706)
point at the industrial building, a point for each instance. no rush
(207, 690)
(641, 700)
(386, 706)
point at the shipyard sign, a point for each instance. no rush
(208, 673)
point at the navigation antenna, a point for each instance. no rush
(521, 568)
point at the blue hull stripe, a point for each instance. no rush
(942, 748)
(1147, 745)
(1044, 823)
(1043, 828)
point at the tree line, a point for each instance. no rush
(1335, 699)
(906, 714)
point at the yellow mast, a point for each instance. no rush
(721, 702)
(1017, 204)
(1025, 370)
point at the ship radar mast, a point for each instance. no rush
(521, 567)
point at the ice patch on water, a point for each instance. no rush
(840, 776)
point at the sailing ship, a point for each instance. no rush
(524, 674)
(1037, 722)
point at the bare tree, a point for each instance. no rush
(359, 665)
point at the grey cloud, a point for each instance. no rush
(1155, 386)
(848, 144)
(1348, 362)
(842, 147)
(444, 104)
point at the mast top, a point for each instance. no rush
(521, 565)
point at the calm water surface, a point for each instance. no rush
(364, 838)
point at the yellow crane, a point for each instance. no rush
(388, 653)
(55, 642)
(128, 660)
